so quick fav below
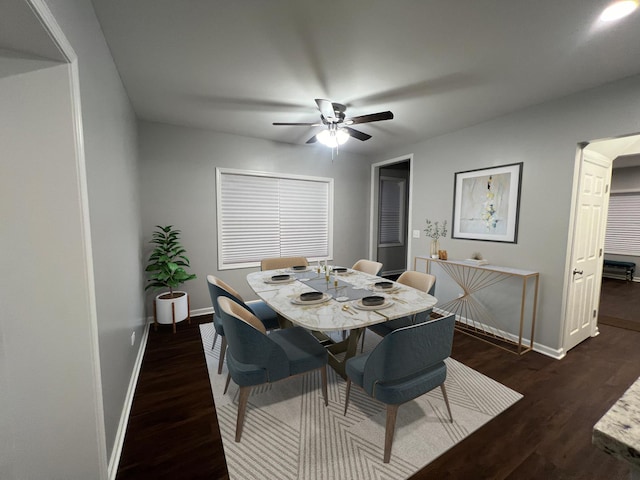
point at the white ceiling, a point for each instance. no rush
(624, 151)
(442, 65)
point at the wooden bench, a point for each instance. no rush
(628, 267)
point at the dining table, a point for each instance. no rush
(340, 307)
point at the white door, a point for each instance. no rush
(585, 272)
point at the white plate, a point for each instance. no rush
(325, 298)
(279, 282)
(358, 304)
(291, 270)
(395, 288)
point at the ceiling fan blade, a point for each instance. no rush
(338, 107)
(312, 140)
(298, 124)
(357, 134)
(373, 117)
(326, 108)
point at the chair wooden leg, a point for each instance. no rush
(362, 345)
(323, 372)
(392, 413)
(215, 339)
(226, 384)
(446, 400)
(346, 396)
(242, 407)
(223, 350)
(155, 317)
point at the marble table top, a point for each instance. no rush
(334, 314)
(618, 431)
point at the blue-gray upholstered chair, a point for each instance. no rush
(406, 364)
(367, 266)
(425, 282)
(255, 358)
(260, 309)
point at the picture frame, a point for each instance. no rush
(486, 203)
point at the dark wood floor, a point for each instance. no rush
(173, 431)
(620, 304)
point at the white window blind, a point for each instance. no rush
(263, 215)
(623, 224)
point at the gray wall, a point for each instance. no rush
(544, 137)
(111, 159)
(50, 409)
(625, 179)
(177, 171)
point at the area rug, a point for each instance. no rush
(290, 434)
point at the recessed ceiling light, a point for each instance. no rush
(618, 10)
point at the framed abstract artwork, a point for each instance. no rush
(486, 203)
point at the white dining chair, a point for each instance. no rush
(368, 266)
(282, 262)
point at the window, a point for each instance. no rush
(623, 224)
(391, 210)
(263, 215)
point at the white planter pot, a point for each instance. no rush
(172, 310)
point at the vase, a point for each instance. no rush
(435, 246)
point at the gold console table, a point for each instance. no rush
(474, 316)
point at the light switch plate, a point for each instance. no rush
(416, 234)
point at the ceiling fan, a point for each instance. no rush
(338, 131)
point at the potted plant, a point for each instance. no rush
(166, 269)
(435, 230)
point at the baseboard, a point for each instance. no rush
(537, 347)
(194, 313)
(557, 353)
(615, 276)
(118, 443)
(209, 310)
(202, 311)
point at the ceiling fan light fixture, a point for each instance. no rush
(618, 10)
(338, 129)
(333, 137)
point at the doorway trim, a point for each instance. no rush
(373, 204)
(621, 147)
(41, 11)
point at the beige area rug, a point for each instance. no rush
(290, 434)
